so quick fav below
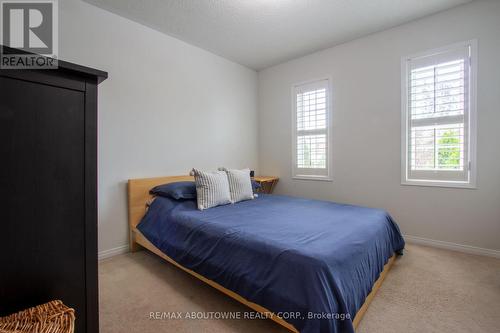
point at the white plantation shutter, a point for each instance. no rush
(437, 106)
(311, 130)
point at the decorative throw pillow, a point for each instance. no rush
(212, 188)
(240, 184)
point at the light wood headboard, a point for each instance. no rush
(138, 195)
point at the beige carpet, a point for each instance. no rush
(427, 290)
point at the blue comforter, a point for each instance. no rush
(314, 262)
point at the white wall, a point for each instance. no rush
(367, 119)
(166, 107)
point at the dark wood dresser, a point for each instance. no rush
(48, 190)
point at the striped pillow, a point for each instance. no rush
(240, 184)
(212, 188)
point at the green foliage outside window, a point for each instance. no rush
(449, 150)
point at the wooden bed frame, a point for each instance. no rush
(138, 195)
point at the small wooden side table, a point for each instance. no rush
(267, 184)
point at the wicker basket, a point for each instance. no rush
(52, 317)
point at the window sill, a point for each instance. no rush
(449, 184)
(321, 178)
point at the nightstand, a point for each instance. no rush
(267, 184)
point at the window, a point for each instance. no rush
(438, 122)
(311, 128)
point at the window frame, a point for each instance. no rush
(329, 124)
(471, 116)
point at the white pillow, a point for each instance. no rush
(240, 184)
(212, 189)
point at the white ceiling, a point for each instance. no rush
(262, 33)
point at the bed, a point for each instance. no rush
(309, 265)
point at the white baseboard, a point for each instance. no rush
(112, 252)
(453, 246)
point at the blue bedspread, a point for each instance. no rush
(312, 261)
